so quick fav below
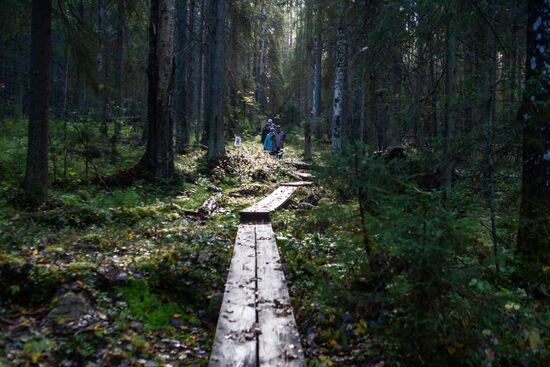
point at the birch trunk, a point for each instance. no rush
(338, 100)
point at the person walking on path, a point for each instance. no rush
(265, 131)
(268, 141)
(278, 142)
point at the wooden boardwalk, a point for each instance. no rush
(256, 325)
(260, 211)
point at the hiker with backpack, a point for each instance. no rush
(278, 142)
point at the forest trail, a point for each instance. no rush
(256, 325)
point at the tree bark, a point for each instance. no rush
(308, 113)
(396, 76)
(534, 219)
(101, 69)
(450, 96)
(36, 175)
(182, 125)
(2, 81)
(192, 64)
(119, 67)
(261, 61)
(317, 65)
(338, 100)
(197, 69)
(214, 98)
(158, 160)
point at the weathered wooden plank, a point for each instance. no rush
(235, 342)
(298, 183)
(298, 164)
(304, 175)
(279, 340)
(260, 211)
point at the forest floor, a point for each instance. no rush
(131, 276)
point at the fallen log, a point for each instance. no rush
(210, 205)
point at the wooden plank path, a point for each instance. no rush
(256, 325)
(279, 340)
(261, 210)
(235, 343)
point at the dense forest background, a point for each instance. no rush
(423, 242)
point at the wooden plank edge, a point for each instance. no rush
(275, 314)
(297, 183)
(236, 342)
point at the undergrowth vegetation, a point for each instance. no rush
(106, 273)
(381, 265)
(385, 267)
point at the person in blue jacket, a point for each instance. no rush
(268, 142)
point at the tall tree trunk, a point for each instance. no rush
(18, 69)
(490, 104)
(372, 133)
(80, 94)
(450, 96)
(101, 69)
(195, 76)
(65, 105)
(419, 122)
(36, 175)
(2, 81)
(534, 217)
(308, 113)
(358, 103)
(191, 68)
(119, 67)
(182, 128)
(215, 92)
(317, 64)
(395, 128)
(158, 159)
(206, 66)
(433, 121)
(260, 98)
(338, 100)
(200, 80)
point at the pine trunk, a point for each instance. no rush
(36, 175)
(450, 97)
(182, 128)
(158, 160)
(215, 92)
(308, 112)
(534, 220)
(2, 81)
(101, 69)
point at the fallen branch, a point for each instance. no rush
(210, 205)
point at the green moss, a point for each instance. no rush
(197, 195)
(154, 310)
